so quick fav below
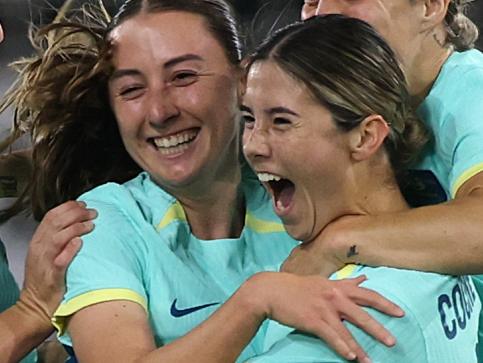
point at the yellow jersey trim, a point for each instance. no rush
(261, 226)
(345, 272)
(90, 298)
(463, 178)
(174, 213)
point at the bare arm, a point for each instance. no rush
(119, 331)
(445, 238)
(54, 244)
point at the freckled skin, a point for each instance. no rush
(278, 148)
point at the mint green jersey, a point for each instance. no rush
(8, 286)
(440, 323)
(142, 250)
(453, 111)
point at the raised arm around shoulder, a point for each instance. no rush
(445, 238)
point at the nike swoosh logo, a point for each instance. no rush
(178, 313)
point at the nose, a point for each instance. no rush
(325, 7)
(161, 108)
(255, 144)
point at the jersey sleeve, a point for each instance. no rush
(461, 133)
(110, 264)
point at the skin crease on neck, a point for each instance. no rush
(299, 141)
(172, 81)
(414, 29)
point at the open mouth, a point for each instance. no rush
(176, 143)
(282, 191)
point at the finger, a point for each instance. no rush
(367, 297)
(356, 280)
(336, 322)
(64, 258)
(361, 318)
(67, 234)
(64, 217)
(330, 336)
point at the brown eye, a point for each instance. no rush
(184, 78)
(132, 92)
(248, 121)
(281, 121)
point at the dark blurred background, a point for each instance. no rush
(258, 18)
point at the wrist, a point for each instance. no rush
(254, 295)
(34, 311)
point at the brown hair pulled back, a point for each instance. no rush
(61, 98)
(351, 71)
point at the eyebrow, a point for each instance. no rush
(182, 58)
(171, 63)
(281, 109)
(272, 110)
(123, 73)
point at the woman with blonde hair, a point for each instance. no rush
(330, 132)
(433, 40)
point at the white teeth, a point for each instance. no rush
(266, 177)
(173, 149)
(175, 140)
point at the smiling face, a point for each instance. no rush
(398, 21)
(296, 149)
(174, 94)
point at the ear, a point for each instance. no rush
(434, 12)
(367, 138)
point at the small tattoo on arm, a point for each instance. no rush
(352, 251)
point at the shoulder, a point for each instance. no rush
(139, 200)
(461, 75)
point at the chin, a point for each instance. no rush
(299, 233)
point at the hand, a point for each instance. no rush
(335, 246)
(54, 244)
(316, 305)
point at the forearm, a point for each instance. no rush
(221, 338)
(123, 332)
(445, 238)
(22, 328)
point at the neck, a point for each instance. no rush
(218, 212)
(423, 69)
(371, 192)
(214, 202)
